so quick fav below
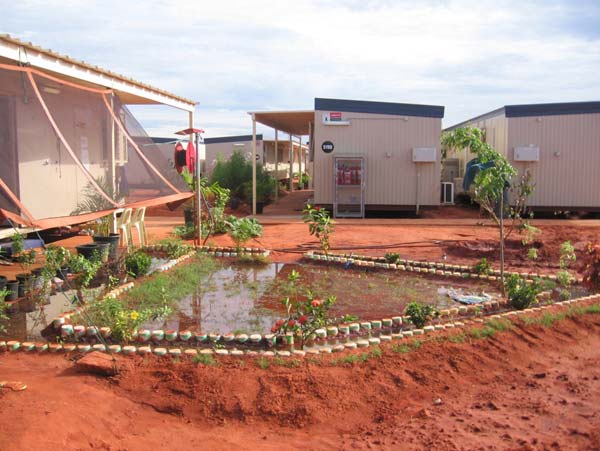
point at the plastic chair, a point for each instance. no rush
(137, 221)
(123, 226)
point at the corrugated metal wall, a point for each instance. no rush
(568, 173)
(386, 142)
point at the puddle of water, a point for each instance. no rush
(248, 299)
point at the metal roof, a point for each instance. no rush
(26, 53)
(293, 122)
(536, 109)
(231, 139)
(363, 106)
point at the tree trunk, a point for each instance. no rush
(502, 243)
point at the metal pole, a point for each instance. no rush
(253, 164)
(291, 156)
(198, 193)
(310, 145)
(276, 167)
(113, 165)
(300, 160)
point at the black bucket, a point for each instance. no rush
(113, 240)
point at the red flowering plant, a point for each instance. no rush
(319, 223)
(591, 274)
(304, 316)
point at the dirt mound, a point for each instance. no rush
(511, 392)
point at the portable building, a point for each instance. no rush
(558, 143)
(223, 147)
(71, 149)
(368, 155)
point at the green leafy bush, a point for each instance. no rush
(174, 247)
(235, 174)
(419, 314)
(319, 223)
(138, 263)
(242, 230)
(392, 257)
(521, 294)
(482, 267)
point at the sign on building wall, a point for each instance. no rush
(334, 118)
(327, 146)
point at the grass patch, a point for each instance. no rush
(375, 353)
(288, 363)
(263, 363)
(405, 348)
(548, 319)
(457, 338)
(205, 359)
(490, 328)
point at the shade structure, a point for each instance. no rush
(292, 122)
(72, 152)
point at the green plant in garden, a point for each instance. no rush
(25, 258)
(174, 247)
(392, 257)
(419, 314)
(123, 321)
(84, 271)
(567, 255)
(305, 316)
(205, 359)
(591, 275)
(529, 233)
(242, 230)
(138, 263)
(320, 224)
(520, 293)
(532, 253)
(482, 267)
(3, 308)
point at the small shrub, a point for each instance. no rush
(319, 223)
(419, 314)
(204, 359)
(482, 267)
(567, 255)
(174, 247)
(529, 233)
(3, 307)
(392, 257)
(243, 230)
(532, 253)
(263, 363)
(520, 293)
(138, 263)
(457, 338)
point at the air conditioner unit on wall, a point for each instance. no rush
(527, 153)
(424, 155)
(447, 193)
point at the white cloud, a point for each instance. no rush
(239, 56)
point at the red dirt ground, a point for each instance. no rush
(532, 388)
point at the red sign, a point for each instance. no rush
(335, 116)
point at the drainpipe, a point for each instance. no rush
(276, 167)
(418, 186)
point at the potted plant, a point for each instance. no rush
(102, 235)
(25, 258)
(304, 179)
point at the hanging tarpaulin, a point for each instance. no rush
(191, 158)
(180, 157)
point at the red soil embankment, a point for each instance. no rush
(532, 388)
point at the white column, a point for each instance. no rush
(291, 152)
(276, 166)
(253, 164)
(300, 159)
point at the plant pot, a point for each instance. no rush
(104, 250)
(37, 279)
(88, 250)
(234, 203)
(188, 215)
(13, 287)
(305, 185)
(3, 281)
(113, 241)
(259, 208)
(25, 283)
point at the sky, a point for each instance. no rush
(237, 56)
